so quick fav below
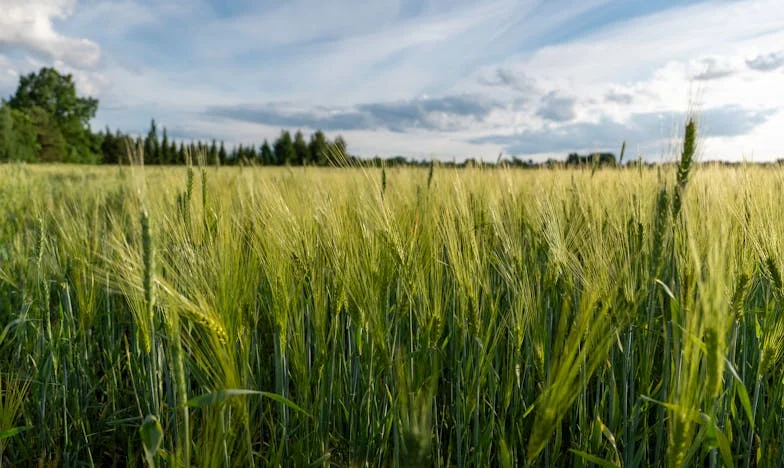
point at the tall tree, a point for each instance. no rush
(18, 138)
(222, 153)
(213, 152)
(52, 144)
(301, 149)
(319, 148)
(181, 154)
(55, 96)
(284, 149)
(165, 158)
(110, 151)
(267, 157)
(151, 144)
(173, 154)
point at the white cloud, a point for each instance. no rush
(713, 68)
(556, 108)
(89, 83)
(661, 63)
(628, 49)
(767, 62)
(28, 25)
(365, 70)
(8, 76)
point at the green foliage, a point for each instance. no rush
(151, 145)
(267, 156)
(593, 159)
(151, 434)
(318, 148)
(166, 156)
(61, 118)
(56, 95)
(301, 150)
(52, 143)
(284, 149)
(222, 155)
(114, 147)
(18, 139)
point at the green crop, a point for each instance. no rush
(315, 317)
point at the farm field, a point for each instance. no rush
(230, 316)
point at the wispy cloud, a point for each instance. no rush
(713, 69)
(448, 113)
(645, 130)
(466, 78)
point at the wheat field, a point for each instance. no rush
(401, 317)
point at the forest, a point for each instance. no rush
(45, 120)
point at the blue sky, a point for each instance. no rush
(432, 78)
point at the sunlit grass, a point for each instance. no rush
(392, 316)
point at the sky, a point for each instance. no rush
(445, 79)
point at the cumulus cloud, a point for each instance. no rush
(27, 25)
(501, 73)
(732, 120)
(766, 62)
(619, 97)
(90, 83)
(603, 135)
(643, 130)
(556, 108)
(447, 113)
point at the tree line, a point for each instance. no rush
(46, 121)
(158, 148)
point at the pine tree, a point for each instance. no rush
(267, 157)
(284, 149)
(301, 149)
(173, 154)
(319, 148)
(164, 157)
(222, 154)
(239, 154)
(213, 151)
(110, 152)
(151, 144)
